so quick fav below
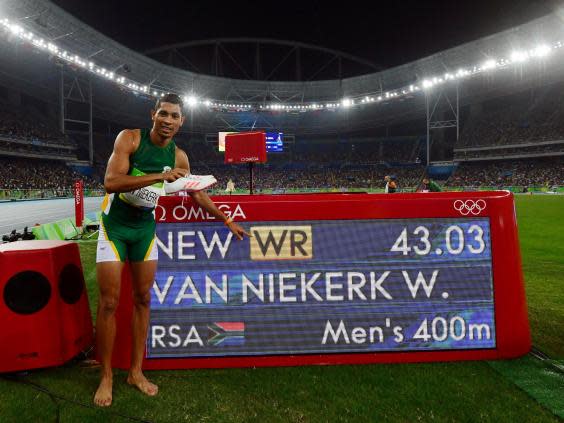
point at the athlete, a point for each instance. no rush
(142, 160)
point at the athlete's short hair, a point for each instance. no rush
(170, 98)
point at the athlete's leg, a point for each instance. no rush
(143, 273)
(109, 281)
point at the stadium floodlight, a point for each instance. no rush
(541, 51)
(489, 64)
(191, 100)
(427, 84)
(16, 29)
(519, 56)
(460, 73)
(346, 102)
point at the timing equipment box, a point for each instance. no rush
(44, 311)
(245, 147)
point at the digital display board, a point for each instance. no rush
(274, 142)
(221, 140)
(322, 287)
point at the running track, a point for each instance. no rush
(19, 214)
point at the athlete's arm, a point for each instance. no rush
(181, 160)
(202, 199)
(117, 179)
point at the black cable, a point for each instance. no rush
(535, 352)
(54, 397)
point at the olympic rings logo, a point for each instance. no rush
(469, 207)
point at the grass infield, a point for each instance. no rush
(464, 391)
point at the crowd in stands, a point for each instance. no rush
(516, 127)
(547, 172)
(314, 177)
(18, 124)
(33, 174)
(25, 133)
(26, 174)
(24, 149)
(513, 152)
(532, 116)
(366, 152)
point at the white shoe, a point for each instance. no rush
(190, 183)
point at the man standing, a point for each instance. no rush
(230, 188)
(391, 185)
(428, 185)
(142, 160)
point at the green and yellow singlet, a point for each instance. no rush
(128, 221)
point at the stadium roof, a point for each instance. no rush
(48, 20)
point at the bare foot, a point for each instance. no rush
(103, 396)
(140, 382)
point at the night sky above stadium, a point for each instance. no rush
(392, 33)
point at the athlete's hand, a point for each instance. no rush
(238, 231)
(174, 174)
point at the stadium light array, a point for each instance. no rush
(191, 100)
(517, 57)
(541, 51)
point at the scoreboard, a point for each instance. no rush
(336, 278)
(274, 142)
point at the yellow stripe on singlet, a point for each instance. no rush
(105, 202)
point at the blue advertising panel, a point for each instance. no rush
(323, 286)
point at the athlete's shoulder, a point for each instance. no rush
(132, 134)
(180, 151)
(128, 139)
(181, 158)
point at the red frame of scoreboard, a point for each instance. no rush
(513, 337)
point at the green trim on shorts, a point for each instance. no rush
(133, 242)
